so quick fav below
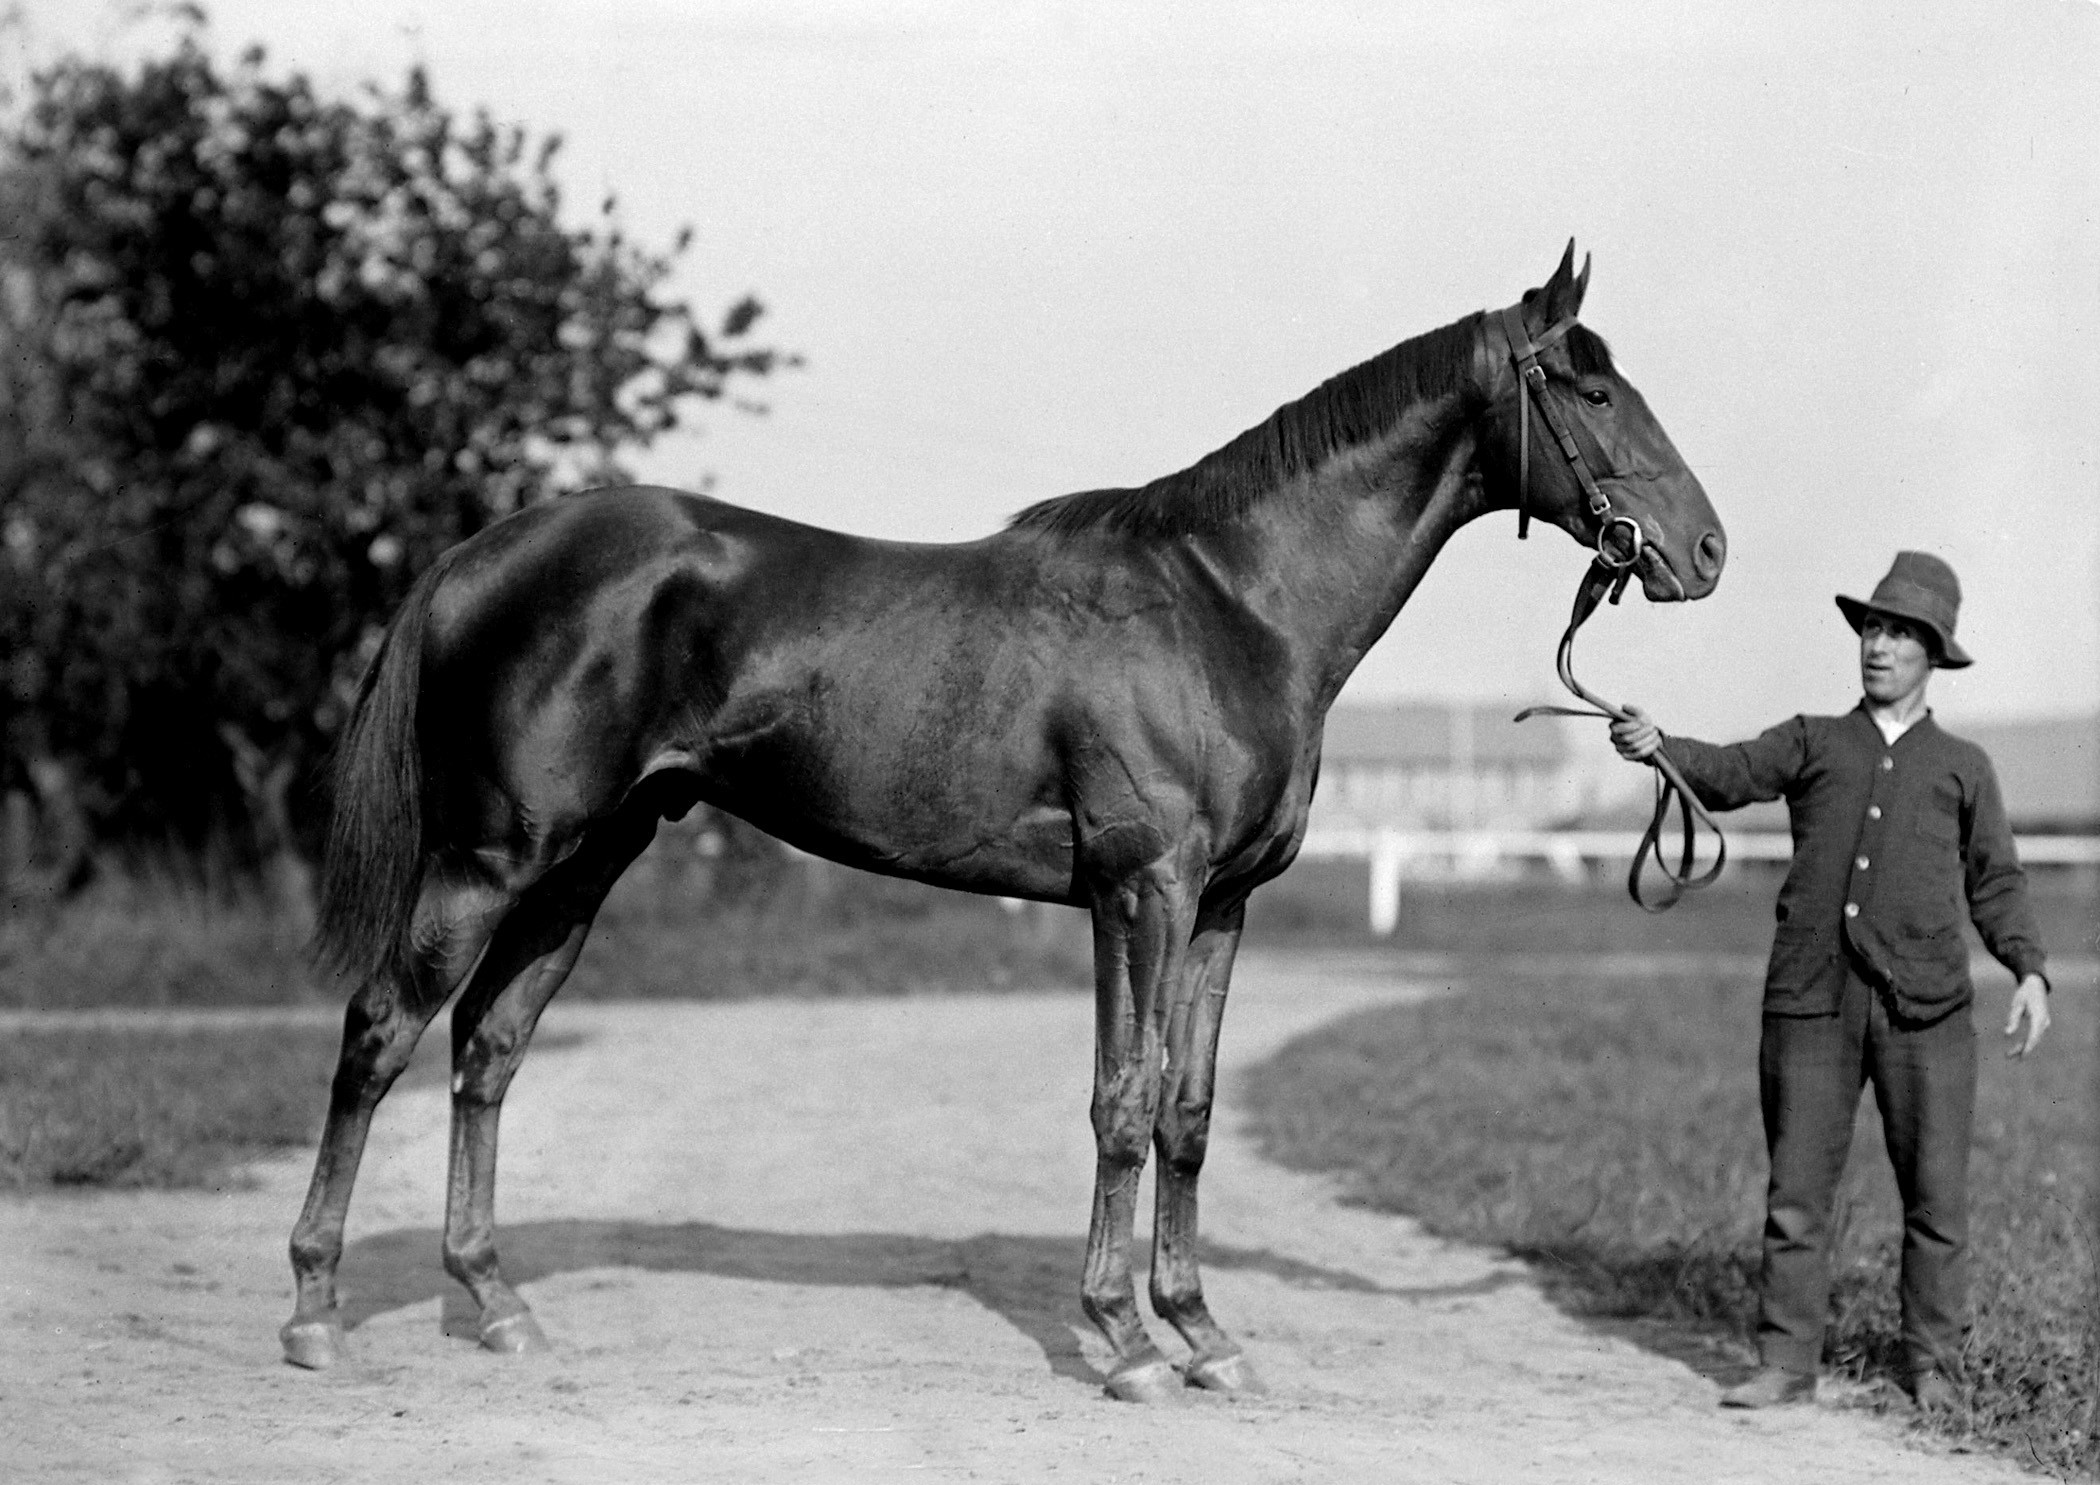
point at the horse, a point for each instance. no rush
(1114, 702)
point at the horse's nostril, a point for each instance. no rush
(1711, 552)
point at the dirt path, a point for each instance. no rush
(836, 1241)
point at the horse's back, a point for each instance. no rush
(971, 714)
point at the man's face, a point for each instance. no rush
(1895, 660)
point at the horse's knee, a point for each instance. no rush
(1122, 1129)
(1183, 1137)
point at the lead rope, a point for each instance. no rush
(1619, 541)
(1670, 786)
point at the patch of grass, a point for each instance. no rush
(1607, 1130)
(667, 931)
(152, 940)
(111, 1107)
(1323, 902)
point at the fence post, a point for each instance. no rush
(1386, 856)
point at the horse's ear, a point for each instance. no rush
(1561, 299)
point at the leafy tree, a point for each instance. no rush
(266, 354)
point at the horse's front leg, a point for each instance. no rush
(1182, 1133)
(1141, 930)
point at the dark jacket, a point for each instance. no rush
(1890, 843)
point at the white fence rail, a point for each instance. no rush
(1570, 853)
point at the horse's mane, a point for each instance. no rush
(1352, 408)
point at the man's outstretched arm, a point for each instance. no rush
(1724, 777)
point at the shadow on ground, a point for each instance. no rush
(1030, 1281)
(1616, 1293)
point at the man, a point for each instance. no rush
(1895, 825)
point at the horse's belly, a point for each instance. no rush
(977, 830)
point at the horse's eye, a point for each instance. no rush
(1597, 397)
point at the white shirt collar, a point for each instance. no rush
(1890, 731)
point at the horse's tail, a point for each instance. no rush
(372, 871)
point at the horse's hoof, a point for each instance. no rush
(1145, 1382)
(514, 1335)
(1232, 1373)
(313, 1344)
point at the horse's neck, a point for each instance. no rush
(1327, 564)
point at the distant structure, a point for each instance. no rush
(1426, 765)
(1431, 791)
(2049, 769)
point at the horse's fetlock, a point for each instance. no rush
(1111, 1309)
(471, 1260)
(1176, 1296)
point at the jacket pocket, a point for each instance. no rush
(1805, 973)
(1930, 966)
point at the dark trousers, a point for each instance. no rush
(1810, 1071)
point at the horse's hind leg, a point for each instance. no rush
(529, 955)
(386, 1017)
(1140, 936)
(1182, 1134)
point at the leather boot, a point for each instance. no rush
(1771, 1387)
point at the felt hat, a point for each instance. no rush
(1923, 589)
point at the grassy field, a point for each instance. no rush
(667, 930)
(111, 1107)
(1323, 902)
(1605, 1127)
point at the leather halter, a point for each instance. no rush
(1619, 544)
(1619, 537)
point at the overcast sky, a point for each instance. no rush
(1851, 255)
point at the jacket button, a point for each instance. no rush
(1873, 812)
(1887, 764)
(1852, 910)
(1860, 862)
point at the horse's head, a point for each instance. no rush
(1575, 445)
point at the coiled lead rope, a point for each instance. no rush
(1670, 786)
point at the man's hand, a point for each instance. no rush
(1636, 737)
(2030, 1002)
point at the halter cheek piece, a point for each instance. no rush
(1619, 538)
(1619, 544)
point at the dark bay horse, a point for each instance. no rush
(1116, 703)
